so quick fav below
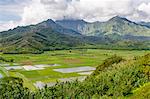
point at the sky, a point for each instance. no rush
(15, 13)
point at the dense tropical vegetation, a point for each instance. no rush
(116, 77)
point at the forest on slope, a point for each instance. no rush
(116, 33)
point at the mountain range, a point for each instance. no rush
(66, 34)
(116, 25)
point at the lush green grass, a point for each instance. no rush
(26, 82)
(3, 72)
(46, 75)
(141, 93)
(75, 58)
(67, 59)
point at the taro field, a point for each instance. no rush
(37, 70)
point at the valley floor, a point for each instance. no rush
(65, 65)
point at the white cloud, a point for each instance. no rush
(101, 9)
(90, 10)
(145, 8)
(8, 25)
(35, 12)
(40, 10)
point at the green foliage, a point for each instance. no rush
(12, 88)
(107, 64)
(115, 78)
(6, 60)
(119, 81)
(141, 93)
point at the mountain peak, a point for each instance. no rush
(49, 21)
(119, 18)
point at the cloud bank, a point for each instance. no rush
(35, 11)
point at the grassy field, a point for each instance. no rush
(74, 58)
(66, 59)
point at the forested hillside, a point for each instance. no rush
(38, 38)
(116, 33)
(116, 25)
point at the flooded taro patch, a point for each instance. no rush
(13, 67)
(1, 76)
(76, 69)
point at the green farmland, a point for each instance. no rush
(65, 59)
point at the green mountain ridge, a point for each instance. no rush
(36, 38)
(118, 25)
(58, 28)
(65, 34)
